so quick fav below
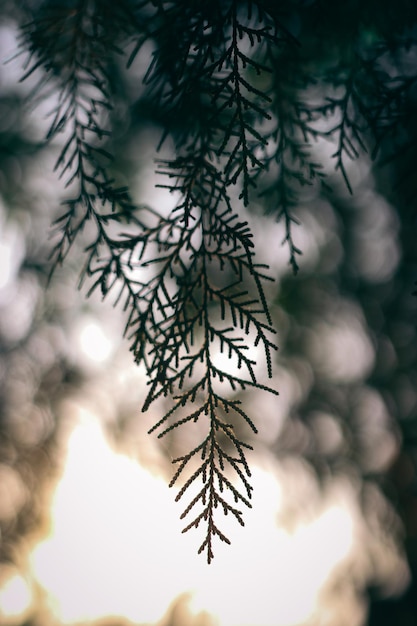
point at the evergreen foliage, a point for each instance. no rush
(245, 95)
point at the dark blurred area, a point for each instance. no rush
(347, 361)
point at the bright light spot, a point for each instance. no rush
(276, 574)
(377, 249)
(94, 343)
(113, 522)
(5, 264)
(11, 253)
(341, 348)
(116, 547)
(15, 598)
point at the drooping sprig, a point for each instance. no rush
(73, 45)
(218, 296)
(218, 82)
(193, 289)
(366, 99)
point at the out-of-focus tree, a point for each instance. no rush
(300, 110)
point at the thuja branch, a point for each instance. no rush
(201, 319)
(217, 83)
(73, 46)
(289, 162)
(181, 317)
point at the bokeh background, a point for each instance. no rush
(89, 531)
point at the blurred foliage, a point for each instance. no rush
(333, 163)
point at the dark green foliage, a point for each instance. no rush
(244, 103)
